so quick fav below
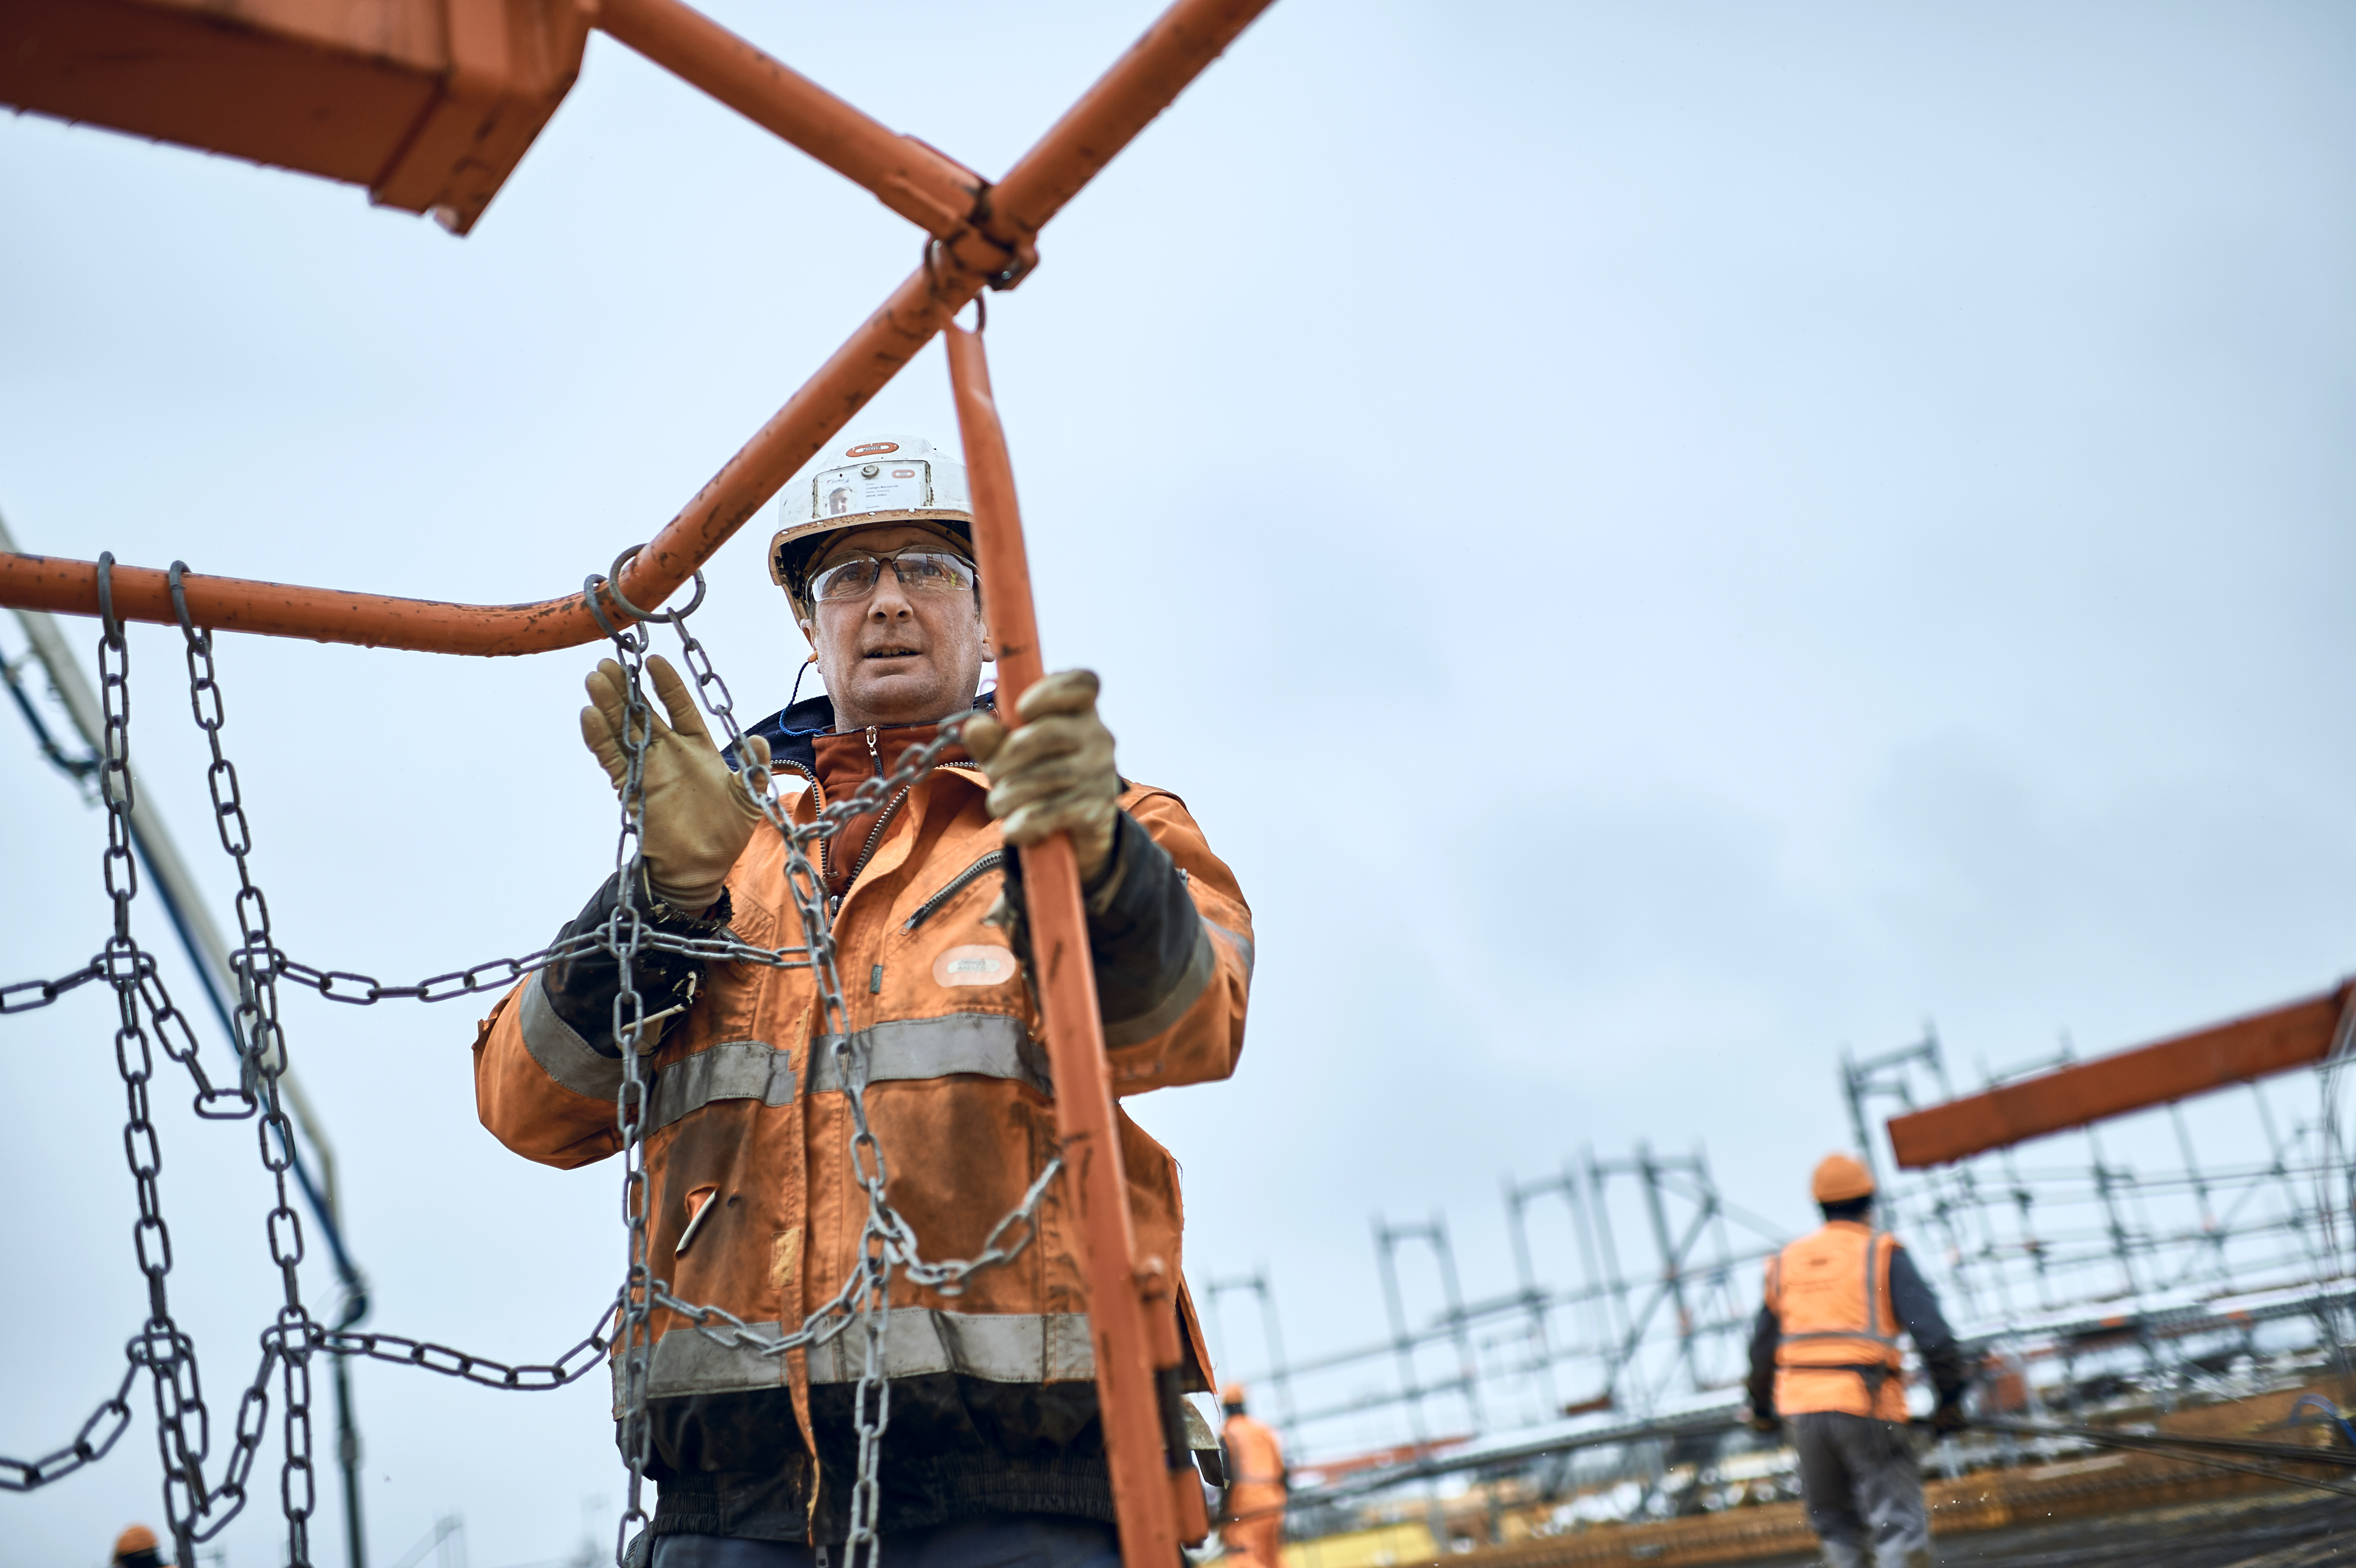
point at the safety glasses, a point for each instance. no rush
(919, 570)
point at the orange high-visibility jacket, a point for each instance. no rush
(1839, 1349)
(1254, 1508)
(745, 1115)
(1255, 1456)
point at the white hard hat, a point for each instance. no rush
(863, 483)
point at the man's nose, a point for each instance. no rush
(890, 600)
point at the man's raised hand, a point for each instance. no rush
(698, 815)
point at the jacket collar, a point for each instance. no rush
(793, 732)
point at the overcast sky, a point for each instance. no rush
(1661, 542)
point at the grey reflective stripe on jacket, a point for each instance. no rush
(738, 1070)
(997, 1347)
(987, 1045)
(561, 1051)
(1242, 943)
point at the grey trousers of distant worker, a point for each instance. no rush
(1863, 1491)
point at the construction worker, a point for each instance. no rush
(995, 1451)
(1251, 1524)
(1825, 1355)
(137, 1548)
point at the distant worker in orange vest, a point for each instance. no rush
(1825, 1354)
(136, 1548)
(1253, 1517)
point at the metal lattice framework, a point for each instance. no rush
(501, 66)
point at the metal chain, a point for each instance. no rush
(886, 1240)
(624, 933)
(88, 1448)
(888, 1244)
(265, 1050)
(571, 1367)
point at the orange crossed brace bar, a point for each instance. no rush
(2299, 1034)
(984, 236)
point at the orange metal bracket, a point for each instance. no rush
(993, 248)
(2298, 1035)
(429, 104)
(1128, 1392)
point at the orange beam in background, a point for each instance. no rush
(2298, 1035)
(1176, 49)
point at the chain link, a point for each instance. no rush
(44, 992)
(88, 1448)
(888, 1244)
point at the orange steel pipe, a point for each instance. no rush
(2298, 1035)
(922, 185)
(1085, 1124)
(1175, 50)
(1178, 47)
(796, 433)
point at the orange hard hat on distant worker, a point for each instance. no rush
(1840, 1178)
(133, 1541)
(1232, 1393)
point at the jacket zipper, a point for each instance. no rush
(875, 837)
(955, 886)
(876, 834)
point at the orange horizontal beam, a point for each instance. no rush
(2298, 1035)
(1173, 52)
(922, 185)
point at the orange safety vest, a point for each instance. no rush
(1839, 1351)
(1253, 1530)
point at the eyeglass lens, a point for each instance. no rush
(920, 570)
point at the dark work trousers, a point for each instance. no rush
(994, 1540)
(1863, 1491)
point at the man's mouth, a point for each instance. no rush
(891, 652)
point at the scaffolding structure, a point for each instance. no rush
(2199, 1249)
(1642, 1308)
(2158, 1248)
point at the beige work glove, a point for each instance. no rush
(698, 816)
(1054, 773)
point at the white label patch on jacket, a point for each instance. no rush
(976, 965)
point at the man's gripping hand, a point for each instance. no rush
(698, 815)
(1054, 773)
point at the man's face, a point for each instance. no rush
(899, 655)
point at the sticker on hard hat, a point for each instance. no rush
(870, 487)
(871, 449)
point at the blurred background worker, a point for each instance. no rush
(1826, 1354)
(136, 1548)
(1253, 1520)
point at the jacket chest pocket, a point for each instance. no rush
(733, 991)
